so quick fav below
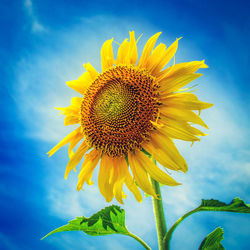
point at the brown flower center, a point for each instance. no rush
(117, 109)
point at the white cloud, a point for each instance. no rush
(36, 26)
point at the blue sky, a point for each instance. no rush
(44, 43)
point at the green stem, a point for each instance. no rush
(139, 240)
(159, 214)
(168, 236)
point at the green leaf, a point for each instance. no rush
(212, 241)
(237, 205)
(110, 220)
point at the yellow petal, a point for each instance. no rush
(74, 142)
(132, 187)
(185, 101)
(166, 144)
(118, 184)
(70, 110)
(164, 151)
(76, 158)
(132, 53)
(90, 162)
(64, 141)
(195, 131)
(105, 187)
(168, 150)
(81, 84)
(107, 55)
(73, 109)
(130, 182)
(122, 52)
(156, 173)
(155, 56)
(164, 59)
(175, 82)
(92, 71)
(76, 101)
(177, 130)
(140, 175)
(118, 189)
(70, 120)
(182, 115)
(120, 168)
(147, 50)
(182, 68)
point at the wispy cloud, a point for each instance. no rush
(36, 26)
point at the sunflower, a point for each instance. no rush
(129, 115)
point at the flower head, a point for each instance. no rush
(129, 115)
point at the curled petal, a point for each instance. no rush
(81, 84)
(91, 70)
